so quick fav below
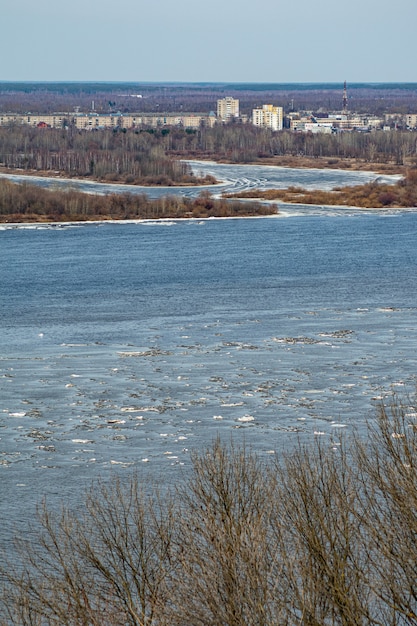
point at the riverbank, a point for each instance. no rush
(292, 162)
(33, 204)
(358, 165)
(163, 182)
(253, 183)
(375, 195)
(306, 162)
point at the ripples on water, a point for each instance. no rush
(125, 346)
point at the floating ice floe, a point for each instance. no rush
(131, 409)
(143, 353)
(120, 463)
(246, 418)
(228, 404)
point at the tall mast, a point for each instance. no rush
(345, 98)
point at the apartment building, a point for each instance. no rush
(55, 120)
(227, 108)
(268, 116)
(91, 121)
(411, 120)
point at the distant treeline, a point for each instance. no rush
(165, 98)
(29, 203)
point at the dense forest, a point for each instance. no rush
(29, 203)
(324, 535)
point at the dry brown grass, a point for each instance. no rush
(371, 195)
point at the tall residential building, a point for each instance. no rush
(411, 120)
(227, 108)
(268, 117)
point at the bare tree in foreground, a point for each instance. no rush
(325, 535)
(104, 565)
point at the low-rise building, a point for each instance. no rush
(316, 127)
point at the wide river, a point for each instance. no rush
(125, 346)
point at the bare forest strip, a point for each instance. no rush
(21, 203)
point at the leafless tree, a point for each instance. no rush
(387, 461)
(103, 565)
(318, 532)
(227, 566)
(324, 536)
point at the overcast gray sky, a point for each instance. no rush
(210, 40)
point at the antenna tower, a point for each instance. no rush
(345, 98)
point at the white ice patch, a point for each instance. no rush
(246, 418)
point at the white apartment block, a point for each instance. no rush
(411, 120)
(268, 117)
(91, 121)
(55, 120)
(227, 108)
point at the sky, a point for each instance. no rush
(209, 41)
